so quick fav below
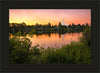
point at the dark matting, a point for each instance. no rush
(49, 4)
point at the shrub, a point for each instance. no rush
(18, 51)
(86, 38)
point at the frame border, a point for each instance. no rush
(3, 30)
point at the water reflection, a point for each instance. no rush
(63, 36)
(54, 40)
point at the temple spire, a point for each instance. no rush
(63, 19)
(63, 23)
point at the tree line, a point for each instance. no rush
(22, 28)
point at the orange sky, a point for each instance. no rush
(54, 16)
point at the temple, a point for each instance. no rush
(63, 23)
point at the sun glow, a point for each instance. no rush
(54, 16)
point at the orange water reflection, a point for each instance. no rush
(54, 40)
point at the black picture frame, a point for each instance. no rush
(49, 4)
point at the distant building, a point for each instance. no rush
(63, 23)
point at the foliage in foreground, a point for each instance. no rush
(74, 53)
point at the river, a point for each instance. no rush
(54, 40)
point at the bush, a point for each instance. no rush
(18, 50)
(86, 38)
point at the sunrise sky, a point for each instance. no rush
(54, 16)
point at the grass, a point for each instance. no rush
(75, 53)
